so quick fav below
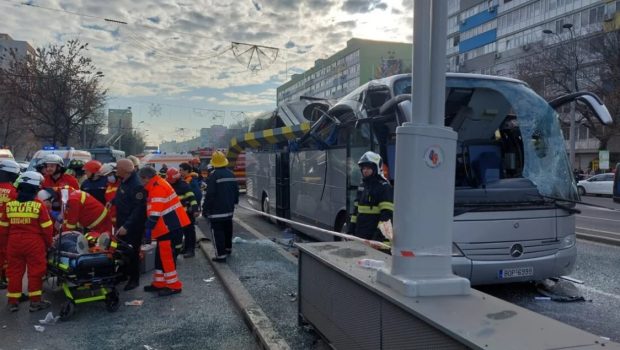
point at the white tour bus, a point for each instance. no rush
(513, 207)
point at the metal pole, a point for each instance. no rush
(425, 158)
(421, 62)
(438, 69)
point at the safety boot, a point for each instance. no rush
(39, 305)
(13, 307)
(3, 284)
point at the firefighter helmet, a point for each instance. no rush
(218, 160)
(53, 159)
(173, 175)
(76, 164)
(31, 178)
(106, 169)
(92, 166)
(9, 166)
(372, 159)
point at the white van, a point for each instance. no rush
(172, 160)
(67, 155)
(6, 154)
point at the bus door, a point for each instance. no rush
(283, 203)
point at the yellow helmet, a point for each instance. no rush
(218, 160)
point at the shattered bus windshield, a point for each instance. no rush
(506, 132)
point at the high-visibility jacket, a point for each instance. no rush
(63, 181)
(7, 194)
(164, 210)
(373, 203)
(221, 196)
(195, 183)
(86, 211)
(27, 220)
(110, 193)
(29, 229)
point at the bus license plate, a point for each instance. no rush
(516, 272)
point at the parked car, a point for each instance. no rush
(597, 184)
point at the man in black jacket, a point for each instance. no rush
(373, 202)
(189, 202)
(219, 205)
(130, 202)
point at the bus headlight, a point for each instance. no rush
(456, 251)
(568, 241)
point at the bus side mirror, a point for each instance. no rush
(598, 108)
(592, 101)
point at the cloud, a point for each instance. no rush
(363, 6)
(172, 49)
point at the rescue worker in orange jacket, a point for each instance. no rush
(165, 219)
(87, 212)
(9, 171)
(55, 177)
(29, 229)
(108, 171)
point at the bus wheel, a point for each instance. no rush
(265, 208)
(341, 226)
(581, 190)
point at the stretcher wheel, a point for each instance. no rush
(67, 310)
(112, 301)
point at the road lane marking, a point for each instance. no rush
(595, 230)
(597, 291)
(596, 218)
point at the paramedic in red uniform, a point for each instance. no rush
(55, 177)
(9, 172)
(29, 229)
(87, 211)
(108, 170)
(166, 218)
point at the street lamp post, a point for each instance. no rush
(574, 68)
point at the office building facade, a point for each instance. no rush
(339, 74)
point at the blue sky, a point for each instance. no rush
(173, 61)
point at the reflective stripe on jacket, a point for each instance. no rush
(86, 211)
(26, 218)
(164, 210)
(221, 196)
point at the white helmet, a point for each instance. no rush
(52, 159)
(371, 158)
(107, 169)
(31, 177)
(10, 166)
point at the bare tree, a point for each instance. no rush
(595, 62)
(57, 89)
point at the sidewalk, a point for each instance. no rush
(262, 280)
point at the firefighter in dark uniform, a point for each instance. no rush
(188, 199)
(374, 200)
(130, 202)
(219, 205)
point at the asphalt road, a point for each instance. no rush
(597, 266)
(201, 317)
(599, 221)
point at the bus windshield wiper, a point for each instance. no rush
(556, 202)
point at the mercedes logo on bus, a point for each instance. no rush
(516, 250)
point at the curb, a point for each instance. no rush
(254, 316)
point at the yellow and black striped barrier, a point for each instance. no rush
(265, 137)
